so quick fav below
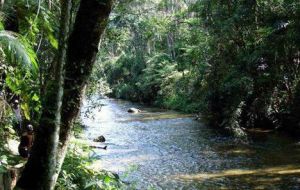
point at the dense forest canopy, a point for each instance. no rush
(236, 62)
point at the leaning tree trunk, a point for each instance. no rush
(40, 169)
(83, 45)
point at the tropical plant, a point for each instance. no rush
(21, 71)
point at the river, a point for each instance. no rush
(160, 149)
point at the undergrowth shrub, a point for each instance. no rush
(77, 173)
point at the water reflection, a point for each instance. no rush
(170, 150)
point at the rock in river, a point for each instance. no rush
(100, 139)
(133, 110)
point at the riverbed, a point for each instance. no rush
(162, 149)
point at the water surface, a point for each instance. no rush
(159, 149)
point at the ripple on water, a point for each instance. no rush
(168, 150)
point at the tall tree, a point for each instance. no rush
(61, 104)
(90, 23)
(40, 168)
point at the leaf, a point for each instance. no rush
(53, 41)
(1, 26)
(26, 110)
(107, 179)
(11, 83)
(90, 184)
(35, 97)
(3, 159)
(18, 51)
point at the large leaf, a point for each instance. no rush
(18, 52)
(23, 77)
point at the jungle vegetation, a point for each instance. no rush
(234, 62)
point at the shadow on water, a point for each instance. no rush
(265, 178)
(169, 150)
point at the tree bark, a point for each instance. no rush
(53, 134)
(83, 45)
(40, 169)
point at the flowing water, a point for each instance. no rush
(159, 149)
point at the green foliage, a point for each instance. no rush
(7, 133)
(21, 70)
(28, 50)
(236, 62)
(77, 174)
(250, 60)
(18, 52)
(157, 52)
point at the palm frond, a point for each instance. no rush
(18, 52)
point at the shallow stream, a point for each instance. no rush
(159, 149)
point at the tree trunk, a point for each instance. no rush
(51, 142)
(83, 45)
(40, 168)
(295, 110)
